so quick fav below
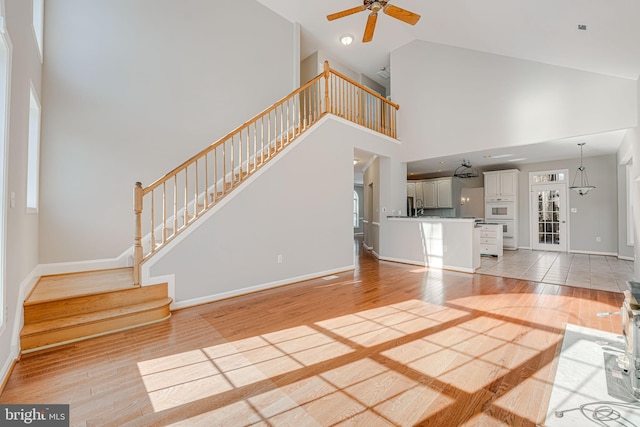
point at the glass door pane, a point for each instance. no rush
(549, 204)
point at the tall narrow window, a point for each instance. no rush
(5, 47)
(38, 24)
(33, 166)
(356, 210)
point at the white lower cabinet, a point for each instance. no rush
(491, 241)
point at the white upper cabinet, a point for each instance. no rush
(432, 193)
(501, 185)
(411, 191)
(444, 193)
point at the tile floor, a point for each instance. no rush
(601, 272)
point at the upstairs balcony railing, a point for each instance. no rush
(168, 206)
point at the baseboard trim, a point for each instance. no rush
(80, 266)
(626, 258)
(252, 289)
(7, 369)
(594, 253)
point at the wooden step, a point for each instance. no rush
(70, 307)
(59, 308)
(72, 328)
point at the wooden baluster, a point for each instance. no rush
(137, 236)
(327, 106)
(153, 225)
(215, 174)
(255, 146)
(185, 214)
(262, 137)
(175, 203)
(206, 181)
(196, 195)
(239, 157)
(164, 212)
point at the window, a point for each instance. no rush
(5, 49)
(38, 24)
(356, 210)
(33, 165)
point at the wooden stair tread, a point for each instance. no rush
(62, 286)
(93, 317)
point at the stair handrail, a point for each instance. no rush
(244, 150)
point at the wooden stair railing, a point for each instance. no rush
(169, 205)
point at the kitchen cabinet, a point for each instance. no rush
(444, 191)
(501, 186)
(435, 193)
(501, 203)
(430, 193)
(491, 242)
(411, 190)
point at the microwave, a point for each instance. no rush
(499, 210)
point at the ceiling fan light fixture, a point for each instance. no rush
(346, 39)
(583, 186)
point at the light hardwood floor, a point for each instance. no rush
(385, 344)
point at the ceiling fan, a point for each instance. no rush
(375, 6)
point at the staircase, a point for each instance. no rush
(168, 206)
(71, 307)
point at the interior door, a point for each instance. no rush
(549, 217)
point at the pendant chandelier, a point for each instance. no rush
(583, 186)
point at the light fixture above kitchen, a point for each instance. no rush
(465, 170)
(583, 187)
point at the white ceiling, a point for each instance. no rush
(537, 30)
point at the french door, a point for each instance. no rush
(549, 217)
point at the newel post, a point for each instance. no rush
(137, 236)
(327, 105)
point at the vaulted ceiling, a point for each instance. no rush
(547, 31)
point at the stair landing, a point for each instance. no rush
(60, 286)
(70, 307)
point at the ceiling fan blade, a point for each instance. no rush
(371, 25)
(401, 14)
(345, 13)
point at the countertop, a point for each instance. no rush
(432, 218)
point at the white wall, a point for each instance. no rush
(134, 87)
(456, 100)
(300, 207)
(632, 139)
(597, 212)
(21, 228)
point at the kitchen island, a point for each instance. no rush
(447, 243)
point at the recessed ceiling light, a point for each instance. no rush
(355, 161)
(517, 160)
(346, 40)
(501, 156)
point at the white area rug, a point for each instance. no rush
(589, 388)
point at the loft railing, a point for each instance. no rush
(169, 205)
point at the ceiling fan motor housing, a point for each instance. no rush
(375, 6)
